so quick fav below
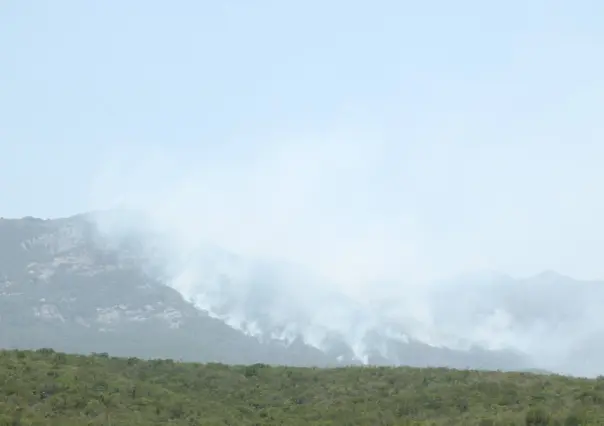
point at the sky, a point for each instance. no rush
(369, 140)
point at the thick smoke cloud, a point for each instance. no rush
(346, 233)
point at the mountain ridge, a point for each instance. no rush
(62, 282)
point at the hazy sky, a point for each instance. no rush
(372, 140)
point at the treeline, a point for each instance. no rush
(49, 388)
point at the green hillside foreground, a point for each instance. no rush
(48, 388)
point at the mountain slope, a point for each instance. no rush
(64, 284)
(59, 289)
(555, 319)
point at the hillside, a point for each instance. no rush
(61, 287)
(64, 285)
(107, 283)
(45, 387)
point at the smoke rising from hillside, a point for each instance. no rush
(315, 202)
(303, 221)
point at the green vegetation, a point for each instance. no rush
(48, 388)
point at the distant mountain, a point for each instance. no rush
(65, 284)
(557, 320)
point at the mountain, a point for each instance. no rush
(60, 288)
(71, 285)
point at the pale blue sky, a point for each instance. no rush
(454, 134)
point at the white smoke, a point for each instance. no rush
(324, 235)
